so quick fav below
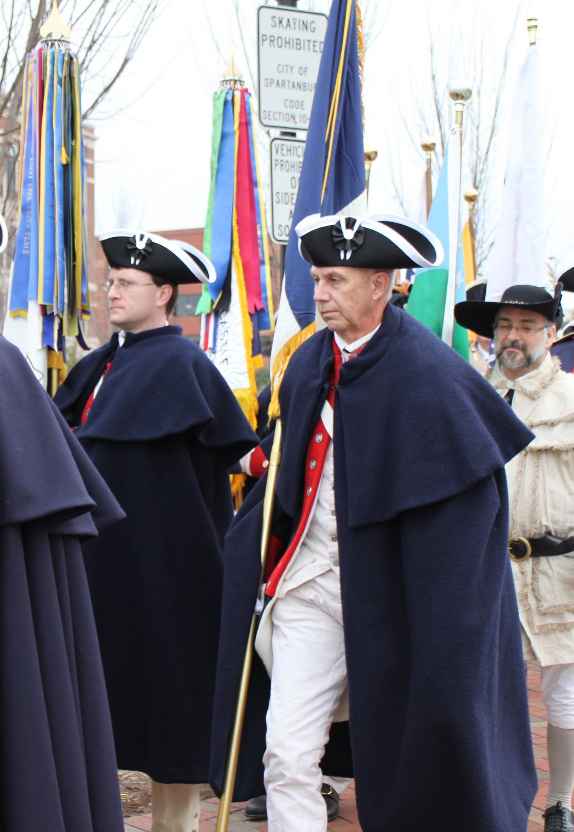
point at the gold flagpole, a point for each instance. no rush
(370, 156)
(235, 744)
(471, 197)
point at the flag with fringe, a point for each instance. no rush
(332, 175)
(48, 295)
(238, 306)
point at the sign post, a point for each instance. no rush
(290, 46)
(286, 164)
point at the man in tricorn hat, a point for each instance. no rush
(163, 427)
(541, 489)
(388, 599)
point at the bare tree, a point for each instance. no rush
(107, 36)
(432, 118)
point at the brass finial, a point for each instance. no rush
(532, 23)
(471, 197)
(232, 78)
(370, 156)
(459, 95)
(428, 145)
(55, 27)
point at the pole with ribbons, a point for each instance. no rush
(48, 296)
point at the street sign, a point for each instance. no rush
(286, 164)
(290, 45)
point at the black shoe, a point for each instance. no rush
(558, 818)
(256, 808)
(332, 801)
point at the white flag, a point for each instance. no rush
(518, 252)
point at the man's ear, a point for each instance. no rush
(381, 285)
(165, 292)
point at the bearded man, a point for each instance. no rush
(541, 491)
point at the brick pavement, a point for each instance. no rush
(347, 822)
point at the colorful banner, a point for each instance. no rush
(48, 293)
(239, 305)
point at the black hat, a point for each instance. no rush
(477, 291)
(3, 234)
(567, 279)
(479, 316)
(170, 260)
(399, 299)
(378, 242)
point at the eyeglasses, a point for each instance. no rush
(504, 328)
(123, 285)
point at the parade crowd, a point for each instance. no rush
(421, 551)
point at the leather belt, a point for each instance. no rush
(523, 548)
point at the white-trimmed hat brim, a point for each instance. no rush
(171, 260)
(380, 242)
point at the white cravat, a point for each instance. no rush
(347, 349)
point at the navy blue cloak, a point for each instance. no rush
(438, 704)
(163, 430)
(57, 758)
(563, 349)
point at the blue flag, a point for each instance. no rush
(333, 171)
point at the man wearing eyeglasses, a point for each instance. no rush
(541, 486)
(163, 427)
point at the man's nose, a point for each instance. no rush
(319, 292)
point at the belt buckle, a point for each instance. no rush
(519, 549)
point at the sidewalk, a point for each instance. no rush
(347, 821)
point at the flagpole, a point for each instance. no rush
(471, 197)
(428, 146)
(370, 157)
(235, 744)
(460, 96)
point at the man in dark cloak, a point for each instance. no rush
(163, 427)
(563, 347)
(389, 595)
(57, 755)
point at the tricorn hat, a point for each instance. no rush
(476, 291)
(3, 234)
(378, 242)
(567, 279)
(480, 315)
(170, 260)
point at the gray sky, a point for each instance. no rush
(154, 135)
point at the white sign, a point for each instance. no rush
(286, 164)
(290, 47)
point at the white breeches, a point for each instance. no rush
(308, 680)
(558, 694)
(175, 807)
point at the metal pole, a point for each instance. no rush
(428, 146)
(370, 156)
(235, 744)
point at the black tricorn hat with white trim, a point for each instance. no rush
(567, 279)
(3, 234)
(480, 316)
(170, 260)
(377, 242)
